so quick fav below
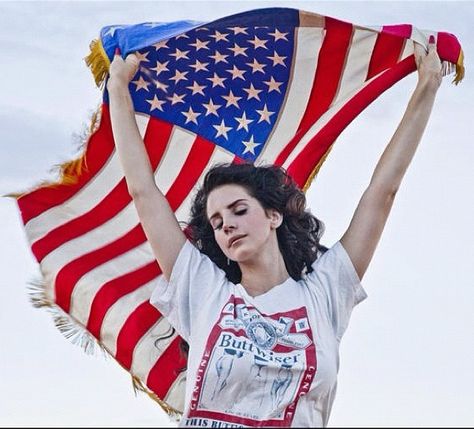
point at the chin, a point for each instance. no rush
(242, 256)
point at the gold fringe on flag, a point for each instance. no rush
(80, 336)
(70, 171)
(459, 68)
(316, 170)
(139, 386)
(98, 62)
(71, 329)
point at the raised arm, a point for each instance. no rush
(158, 220)
(365, 229)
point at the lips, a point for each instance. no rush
(234, 239)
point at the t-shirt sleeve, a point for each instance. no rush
(193, 279)
(335, 279)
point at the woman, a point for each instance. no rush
(265, 310)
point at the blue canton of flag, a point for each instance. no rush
(226, 84)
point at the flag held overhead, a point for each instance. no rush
(273, 85)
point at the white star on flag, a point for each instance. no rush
(191, 115)
(176, 99)
(277, 59)
(252, 92)
(231, 99)
(199, 66)
(278, 35)
(273, 85)
(250, 145)
(160, 67)
(256, 66)
(141, 84)
(259, 43)
(180, 54)
(200, 44)
(265, 114)
(236, 73)
(212, 108)
(243, 122)
(156, 103)
(222, 129)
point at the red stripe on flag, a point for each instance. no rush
(115, 289)
(331, 62)
(385, 54)
(193, 167)
(448, 47)
(166, 369)
(400, 30)
(302, 166)
(141, 319)
(100, 147)
(158, 134)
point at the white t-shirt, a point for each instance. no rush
(270, 360)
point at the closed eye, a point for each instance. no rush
(218, 226)
(240, 212)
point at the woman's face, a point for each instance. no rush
(241, 226)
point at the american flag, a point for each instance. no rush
(272, 85)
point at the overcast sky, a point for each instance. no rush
(407, 357)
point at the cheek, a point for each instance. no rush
(220, 239)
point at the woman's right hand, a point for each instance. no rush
(122, 71)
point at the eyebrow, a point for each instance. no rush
(228, 207)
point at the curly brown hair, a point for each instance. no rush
(298, 235)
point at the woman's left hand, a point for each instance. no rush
(428, 64)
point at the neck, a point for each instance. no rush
(263, 274)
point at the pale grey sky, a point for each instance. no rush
(406, 359)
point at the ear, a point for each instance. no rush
(276, 218)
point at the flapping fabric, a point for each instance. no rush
(273, 85)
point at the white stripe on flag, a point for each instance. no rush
(175, 396)
(408, 49)
(357, 63)
(181, 143)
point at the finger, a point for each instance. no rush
(132, 59)
(117, 51)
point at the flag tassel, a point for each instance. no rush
(459, 68)
(138, 386)
(71, 329)
(98, 62)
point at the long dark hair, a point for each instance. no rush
(298, 235)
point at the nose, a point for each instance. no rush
(228, 225)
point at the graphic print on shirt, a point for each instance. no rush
(254, 369)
